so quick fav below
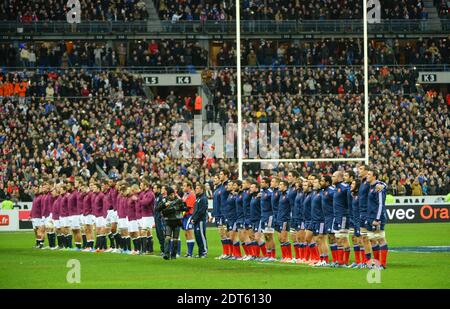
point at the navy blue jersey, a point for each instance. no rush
(349, 201)
(297, 210)
(355, 206)
(230, 210)
(316, 206)
(255, 208)
(239, 206)
(307, 207)
(246, 198)
(284, 208)
(223, 196)
(327, 202)
(292, 194)
(376, 207)
(216, 202)
(340, 201)
(266, 203)
(274, 201)
(363, 192)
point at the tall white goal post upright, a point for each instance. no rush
(240, 145)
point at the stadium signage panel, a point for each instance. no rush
(9, 220)
(418, 213)
(172, 79)
(434, 77)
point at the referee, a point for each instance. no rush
(199, 217)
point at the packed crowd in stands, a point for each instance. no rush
(443, 8)
(186, 54)
(64, 54)
(196, 10)
(327, 10)
(56, 10)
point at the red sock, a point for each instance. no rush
(289, 251)
(346, 257)
(283, 252)
(340, 256)
(263, 250)
(237, 251)
(255, 250)
(357, 256)
(326, 259)
(334, 257)
(384, 253)
(244, 246)
(274, 253)
(308, 253)
(316, 253)
(230, 249)
(362, 255)
(376, 254)
(224, 248)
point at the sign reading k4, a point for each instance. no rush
(183, 80)
(73, 15)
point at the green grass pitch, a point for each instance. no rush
(24, 267)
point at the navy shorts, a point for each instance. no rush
(373, 228)
(268, 223)
(187, 223)
(283, 227)
(329, 225)
(231, 225)
(257, 226)
(356, 227)
(318, 228)
(219, 221)
(341, 223)
(248, 225)
(308, 226)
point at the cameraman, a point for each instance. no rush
(172, 209)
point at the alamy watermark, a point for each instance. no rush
(74, 274)
(198, 140)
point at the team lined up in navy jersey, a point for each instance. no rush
(319, 213)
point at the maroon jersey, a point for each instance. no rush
(146, 203)
(107, 204)
(97, 205)
(36, 208)
(72, 200)
(47, 204)
(87, 204)
(64, 212)
(80, 199)
(132, 207)
(112, 196)
(121, 206)
(56, 207)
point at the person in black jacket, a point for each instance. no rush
(199, 217)
(171, 208)
(159, 221)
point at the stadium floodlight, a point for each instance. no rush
(240, 144)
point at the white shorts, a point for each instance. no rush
(146, 222)
(89, 220)
(111, 217)
(133, 226)
(65, 221)
(75, 221)
(123, 223)
(37, 222)
(57, 224)
(100, 222)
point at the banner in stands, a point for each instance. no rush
(172, 79)
(418, 213)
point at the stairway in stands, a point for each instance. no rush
(434, 22)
